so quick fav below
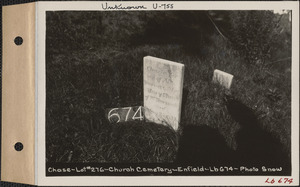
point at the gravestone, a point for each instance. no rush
(163, 86)
(223, 78)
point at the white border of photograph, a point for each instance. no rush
(41, 178)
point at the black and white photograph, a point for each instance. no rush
(168, 93)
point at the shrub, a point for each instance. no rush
(255, 34)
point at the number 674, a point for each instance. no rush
(116, 115)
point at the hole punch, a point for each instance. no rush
(18, 40)
(19, 146)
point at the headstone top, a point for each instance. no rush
(163, 61)
(223, 78)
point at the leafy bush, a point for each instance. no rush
(255, 34)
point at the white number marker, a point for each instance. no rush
(140, 116)
(115, 114)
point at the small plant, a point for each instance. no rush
(273, 95)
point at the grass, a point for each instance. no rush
(82, 82)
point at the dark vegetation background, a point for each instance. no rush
(94, 62)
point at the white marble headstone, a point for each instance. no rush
(223, 78)
(163, 86)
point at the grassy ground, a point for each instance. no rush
(86, 77)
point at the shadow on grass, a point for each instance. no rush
(255, 146)
(203, 145)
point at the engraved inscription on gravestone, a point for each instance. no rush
(223, 78)
(163, 84)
